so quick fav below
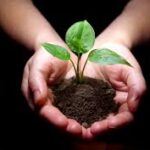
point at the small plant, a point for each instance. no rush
(80, 38)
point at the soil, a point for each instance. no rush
(86, 103)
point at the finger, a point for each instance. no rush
(137, 87)
(54, 116)
(39, 90)
(120, 120)
(113, 122)
(74, 127)
(84, 133)
(99, 127)
(25, 87)
(89, 135)
(121, 97)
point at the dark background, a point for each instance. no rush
(21, 128)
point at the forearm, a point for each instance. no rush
(21, 20)
(131, 27)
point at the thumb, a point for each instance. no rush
(38, 77)
(137, 87)
(38, 88)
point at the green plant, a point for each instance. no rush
(80, 38)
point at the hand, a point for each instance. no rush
(129, 85)
(41, 70)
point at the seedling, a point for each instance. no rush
(80, 38)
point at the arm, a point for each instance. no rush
(23, 22)
(131, 27)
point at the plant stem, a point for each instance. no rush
(83, 69)
(78, 69)
(73, 66)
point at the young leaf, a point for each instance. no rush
(80, 37)
(106, 56)
(57, 51)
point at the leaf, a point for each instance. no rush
(57, 51)
(106, 56)
(80, 37)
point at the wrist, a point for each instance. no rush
(53, 39)
(109, 38)
(120, 49)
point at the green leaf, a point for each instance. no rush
(57, 51)
(106, 56)
(80, 37)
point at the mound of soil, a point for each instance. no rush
(87, 102)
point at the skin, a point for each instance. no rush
(42, 69)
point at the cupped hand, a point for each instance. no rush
(129, 84)
(41, 71)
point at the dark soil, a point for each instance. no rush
(87, 102)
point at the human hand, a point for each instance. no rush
(129, 85)
(40, 71)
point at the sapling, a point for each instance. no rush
(80, 38)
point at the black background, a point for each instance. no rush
(22, 128)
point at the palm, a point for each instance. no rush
(112, 74)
